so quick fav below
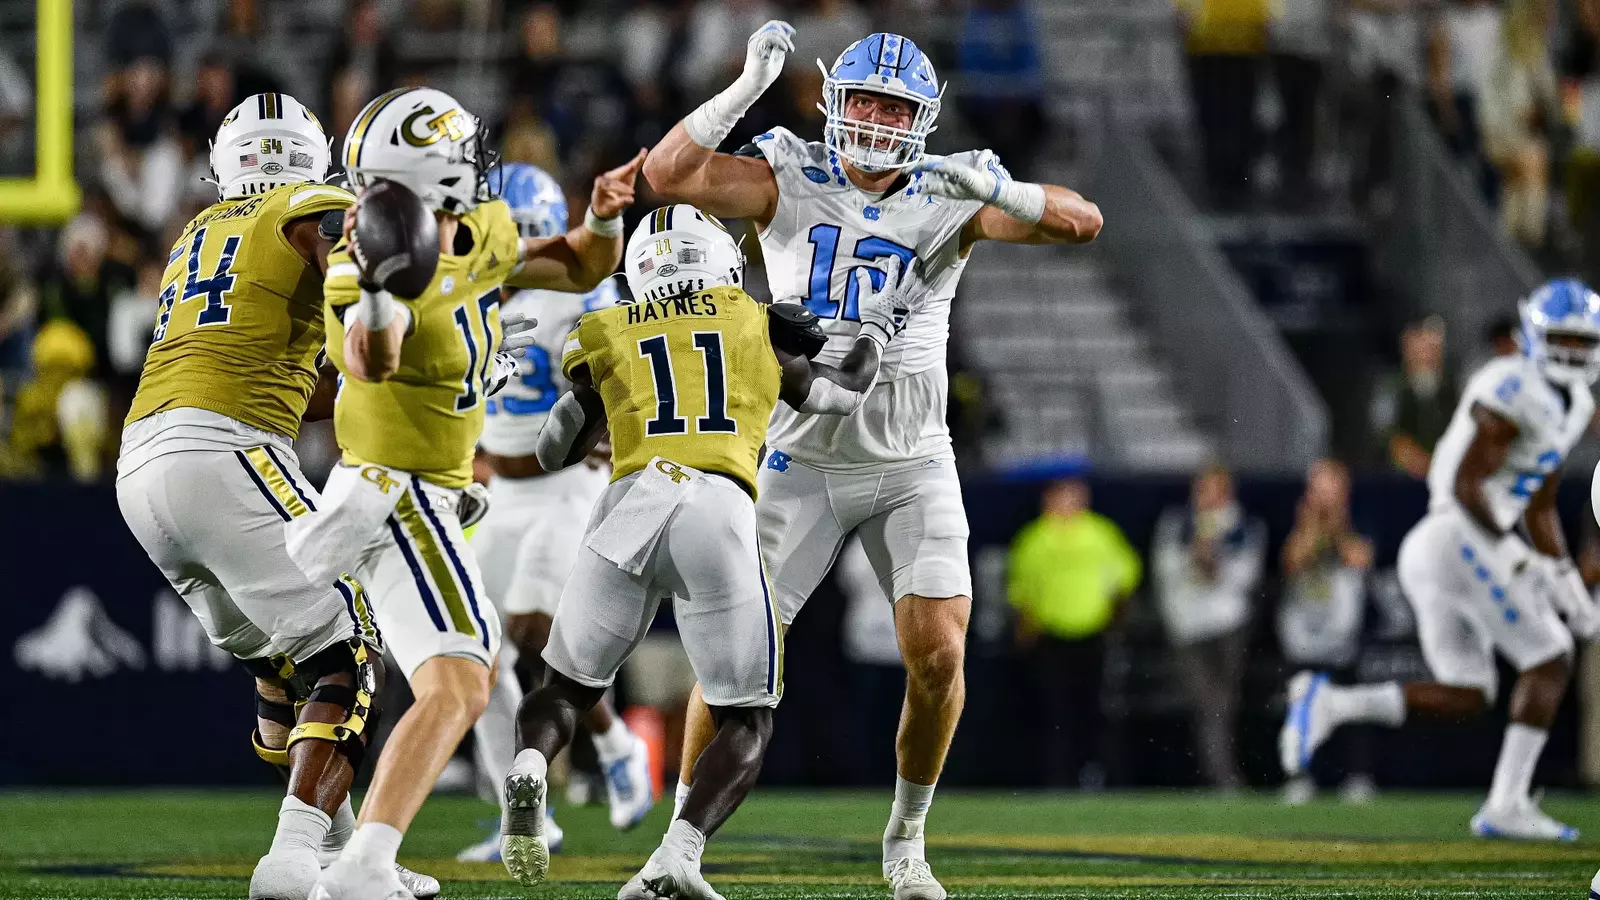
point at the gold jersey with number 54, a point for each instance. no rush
(239, 324)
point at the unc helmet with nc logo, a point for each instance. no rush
(538, 205)
(266, 142)
(679, 249)
(880, 64)
(424, 139)
(1567, 308)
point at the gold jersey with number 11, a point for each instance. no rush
(239, 321)
(692, 379)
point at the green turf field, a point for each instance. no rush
(174, 844)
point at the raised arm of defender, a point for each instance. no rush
(685, 166)
(581, 258)
(1016, 212)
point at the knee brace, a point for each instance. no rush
(351, 661)
(277, 670)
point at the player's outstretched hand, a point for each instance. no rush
(884, 310)
(956, 181)
(766, 53)
(516, 333)
(613, 190)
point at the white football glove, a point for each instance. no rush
(516, 333)
(764, 57)
(958, 181)
(884, 310)
(506, 367)
(473, 505)
(1572, 599)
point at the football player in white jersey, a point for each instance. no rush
(1477, 587)
(866, 195)
(527, 542)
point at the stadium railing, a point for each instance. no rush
(1444, 249)
(1236, 370)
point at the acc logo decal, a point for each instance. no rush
(667, 271)
(452, 124)
(271, 168)
(815, 174)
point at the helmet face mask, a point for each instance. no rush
(266, 142)
(677, 250)
(887, 65)
(425, 140)
(1561, 331)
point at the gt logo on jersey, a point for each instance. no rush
(449, 124)
(376, 475)
(671, 470)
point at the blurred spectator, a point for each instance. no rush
(823, 29)
(244, 34)
(214, 97)
(1462, 50)
(130, 326)
(1583, 164)
(363, 65)
(1520, 107)
(969, 412)
(643, 40)
(1411, 408)
(1325, 567)
(141, 160)
(78, 288)
(16, 125)
(1225, 41)
(711, 47)
(59, 421)
(1070, 570)
(1208, 557)
(1499, 339)
(1002, 94)
(19, 311)
(1386, 54)
(136, 31)
(1302, 42)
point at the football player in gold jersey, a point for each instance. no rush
(416, 374)
(686, 378)
(207, 476)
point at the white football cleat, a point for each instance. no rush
(584, 788)
(423, 887)
(285, 876)
(913, 880)
(348, 879)
(628, 788)
(488, 849)
(1299, 791)
(1594, 887)
(1520, 822)
(524, 848)
(1307, 722)
(668, 875)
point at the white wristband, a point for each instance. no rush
(1021, 200)
(828, 398)
(710, 123)
(375, 310)
(611, 227)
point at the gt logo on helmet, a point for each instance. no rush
(448, 124)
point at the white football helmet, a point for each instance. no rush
(266, 142)
(678, 249)
(425, 140)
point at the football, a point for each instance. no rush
(396, 239)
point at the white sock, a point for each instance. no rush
(1519, 756)
(615, 744)
(531, 762)
(903, 837)
(301, 827)
(344, 825)
(495, 736)
(1382, 704)
(678, 798)
(684, 840)
(375, 844)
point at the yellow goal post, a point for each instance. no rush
(51, 196)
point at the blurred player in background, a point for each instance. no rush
(1476, 585)
(408, 417)
(686, 379)
(527, 542)
(825, 212)
(207, 474)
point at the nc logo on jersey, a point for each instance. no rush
(815, 174)
(449, 124)
(376, 475)
(671, 470)
(778, 461)
(872, 212)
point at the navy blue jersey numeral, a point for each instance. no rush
(667, 421)
(214, 287)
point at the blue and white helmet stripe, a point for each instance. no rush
(1567, 308)
(538, 205)
(880, 64)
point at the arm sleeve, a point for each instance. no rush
(573, 352)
